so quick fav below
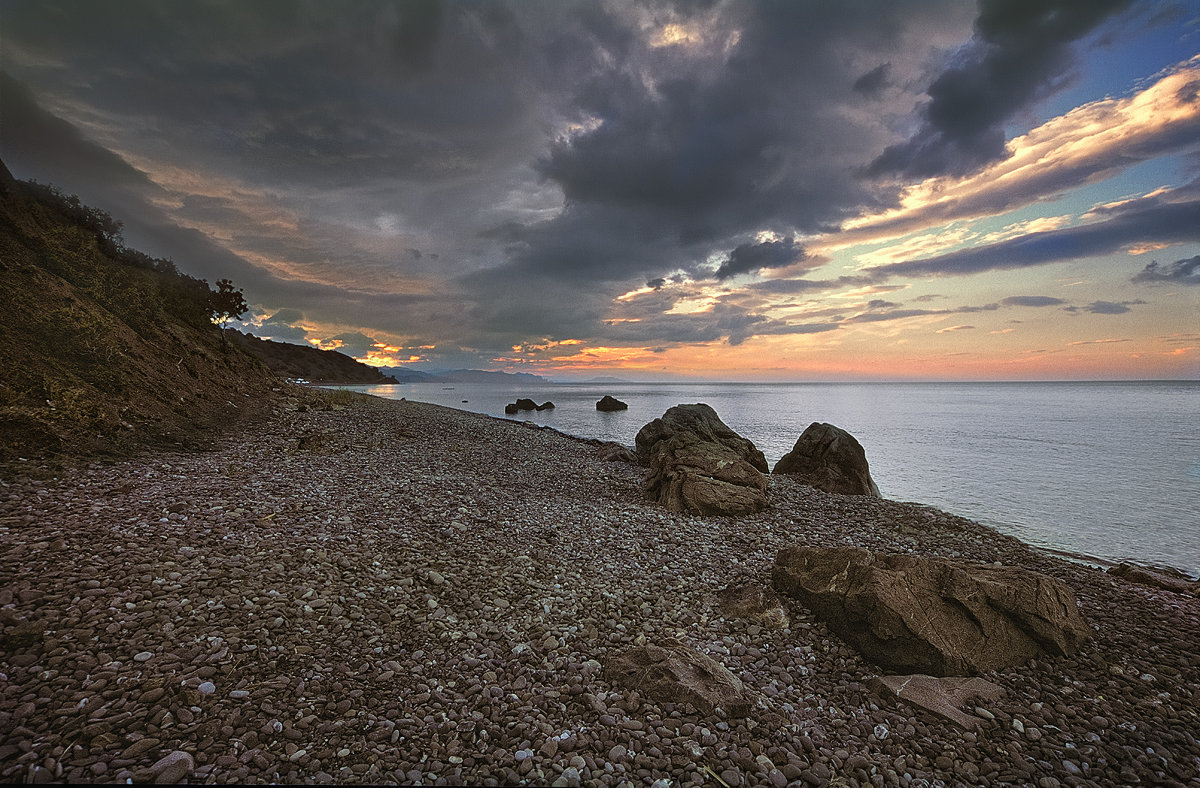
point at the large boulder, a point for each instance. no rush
(698, 465)
(610, 403)
(701, 423)
(700, 477)
(830, 459)
(911, 614)
(675, 673)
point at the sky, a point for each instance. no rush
(710, 190)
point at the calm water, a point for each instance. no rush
(1107, 470)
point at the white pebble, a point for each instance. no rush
(207, 688)
(142, 656)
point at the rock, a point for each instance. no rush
(615, 452)
(523, 404)
(702, 422)
(943, 697)
(755, 602)
(1156, 577)
(546, 406)
(608, 403)
(675, 673)
(700, 477)
(206, 688)
(830, 459)
(173, 768)
(698, 465)
(911, 614)
(142, 656)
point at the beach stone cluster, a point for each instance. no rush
(435, 597)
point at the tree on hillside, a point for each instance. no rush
(226, 303)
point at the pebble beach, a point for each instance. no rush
(357, 590)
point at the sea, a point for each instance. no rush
(1096, 471)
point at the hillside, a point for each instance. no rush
(102, 348)
(310, 363)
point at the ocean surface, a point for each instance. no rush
(1102, 470)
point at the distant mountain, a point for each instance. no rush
(404, 375)
(310, 363)
(604, 379)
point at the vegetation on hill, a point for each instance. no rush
(103, 348)
(310, 363)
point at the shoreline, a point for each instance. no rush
(1085, 559)
(404, 592)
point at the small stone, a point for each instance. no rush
(520, 756)
(142, 656)
(206, 688)
(550, 748)
(140, 747)
(297, 755)
(173, 768)
(617, 753)
(239, 694)
(436, 578)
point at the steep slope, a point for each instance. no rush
(312, 364)
(102, 348)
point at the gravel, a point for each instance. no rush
(398, 592)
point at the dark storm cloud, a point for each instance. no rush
(749, 258)
(1180, 272)
(874, 81)
(1149, 220)
(1021, 52)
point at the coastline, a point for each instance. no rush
(403, 592)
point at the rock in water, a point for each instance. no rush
(609, 403)
(546, 406)
(691, 475)
(702, 422)
(943, 697)
(675, 673)
(910, 614)
(830, 459)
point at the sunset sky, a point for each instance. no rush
(713, 190)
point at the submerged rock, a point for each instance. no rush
(609, 403)
(830, 459)
(675, 673)
(912, 614)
